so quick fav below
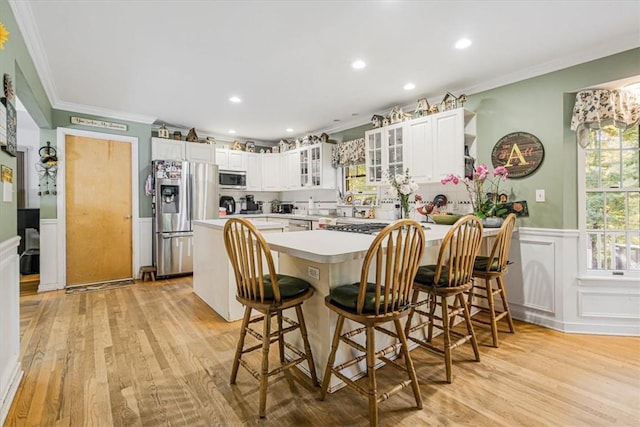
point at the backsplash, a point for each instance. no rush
(325, 201)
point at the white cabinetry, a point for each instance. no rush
(431, 147)
(373, 155)
(291, 172)
(385, 151)
(170, 149)
(271, 171)
(452, 130)
(231, 160)
(394, 155)
(254, 171)
(198, 152)
(167, 149)
(314, 166)
(420, 160)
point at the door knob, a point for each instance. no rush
(127, 217)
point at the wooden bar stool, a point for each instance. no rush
(396, 252)
(449, 278)
(260, 288)
(488, 268)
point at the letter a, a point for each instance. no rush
(516, 153)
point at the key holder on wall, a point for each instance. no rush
(47, 169)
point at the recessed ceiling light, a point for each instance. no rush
(358, 64)
(235, 99)
(289, 130)
(232, 131)
(463, 43)
(409, 86)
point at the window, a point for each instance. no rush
(610, 202)
(355, 179)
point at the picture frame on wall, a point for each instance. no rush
(11, 146)
(3, 125)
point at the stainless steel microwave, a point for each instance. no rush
(233, 179)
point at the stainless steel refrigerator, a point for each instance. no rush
(183, 192)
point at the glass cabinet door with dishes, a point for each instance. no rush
(315, 165)
(395, 148)
(304, 167)
(384, 150)
(373, 155)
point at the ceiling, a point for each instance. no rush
(179, 62)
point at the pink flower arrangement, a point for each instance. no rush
(484, 203)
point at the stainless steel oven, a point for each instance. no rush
(233, 179)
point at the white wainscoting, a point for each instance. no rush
(10, 368)
(50, 263)
(51, 274)
(543, 288)
(145, 240)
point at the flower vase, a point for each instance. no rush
(492, 222)
(404, 207)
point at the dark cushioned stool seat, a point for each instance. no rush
(289, 286)
(347, 296)
(427, 273)
(482, 262)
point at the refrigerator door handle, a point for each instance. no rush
(174, 235)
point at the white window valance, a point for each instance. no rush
(348, 153)
(596, 108)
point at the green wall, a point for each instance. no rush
(15, 61)
(543, 106)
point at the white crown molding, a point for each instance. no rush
(26, 22)
(596, 52)
(97, 111)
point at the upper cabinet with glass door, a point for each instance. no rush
(373, 155)
(431, 147)
(315, 166)
(395, 158)
(385, 150)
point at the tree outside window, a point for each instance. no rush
(612, 196)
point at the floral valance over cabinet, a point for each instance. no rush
(348, 153)
(596, 108)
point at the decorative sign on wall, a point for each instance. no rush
(11, 146)
(98, 123)
(520, 152)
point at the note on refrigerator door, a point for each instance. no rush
(7, 192)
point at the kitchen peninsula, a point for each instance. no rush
(213, 277)
(324, 258)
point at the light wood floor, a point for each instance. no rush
(153, 354)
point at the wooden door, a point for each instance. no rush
(98, 210)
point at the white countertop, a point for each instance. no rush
(326, 246)
(219, 223)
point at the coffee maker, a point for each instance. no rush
(252, 206)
